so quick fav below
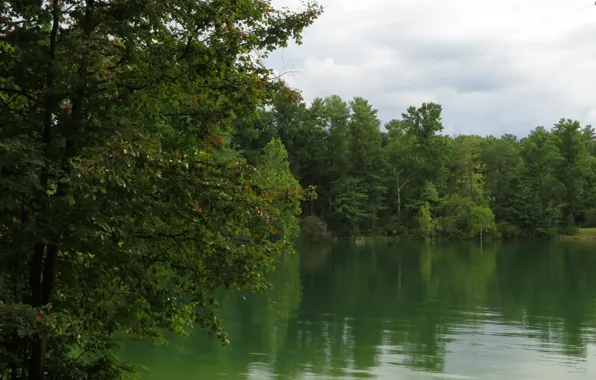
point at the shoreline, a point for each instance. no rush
(585, 234)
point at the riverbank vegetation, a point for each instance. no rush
(407, 178)
(123, 208)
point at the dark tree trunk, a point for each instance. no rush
(42, 287)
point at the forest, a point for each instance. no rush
(407, 178)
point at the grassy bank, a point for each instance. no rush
(584, 234)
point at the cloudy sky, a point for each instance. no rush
(496, 66)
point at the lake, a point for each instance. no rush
(403, 311)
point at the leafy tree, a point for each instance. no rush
(482, 220)
(425, 221)
(303, 134)
(350, 202)
(251, 136)
(404, 163)
(337, 115)
(425, 123)
(502, 159)
(123, 209)
(276, 179)
(466, 172)
(313, 228)
(366, 156)
(540, 194)
(574, 168)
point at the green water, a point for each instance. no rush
(396, 311)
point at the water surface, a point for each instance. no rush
(403, 311)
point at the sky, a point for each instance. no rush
(496, 66)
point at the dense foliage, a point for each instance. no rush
(408, 179)
(123, 208)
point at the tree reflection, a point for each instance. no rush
(344, 310)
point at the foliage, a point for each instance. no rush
(377, 182)
(350, 202)
(314, 228)
(508, 231)
(124, 205)
(425, 221)
(276, 178)
(482, 220)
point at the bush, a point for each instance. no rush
(546, 233)
(509, 231)
(314, 228)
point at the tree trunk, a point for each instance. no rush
(399, 281)
(42, 290)
(44, 269)
(38, 357)
(38, 352)
(36, 362)
(330, 200)
(398, 200)
(13, 370)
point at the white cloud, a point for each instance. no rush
(496, 66)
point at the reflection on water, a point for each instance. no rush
(388, 311)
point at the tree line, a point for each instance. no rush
(407, 178)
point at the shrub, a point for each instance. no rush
(314, 228)
(509, 231)
(546, 233)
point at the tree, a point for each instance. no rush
(501, 158)
(302, 132)
(483, 220)
(536, 194)
(466, 169)
(404, 161)
(276, 178)
(337, 115)
(350, 203)
(574, 168)
(425, 221)
(123, 210)
(366, 156)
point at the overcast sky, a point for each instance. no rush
(496, 66)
